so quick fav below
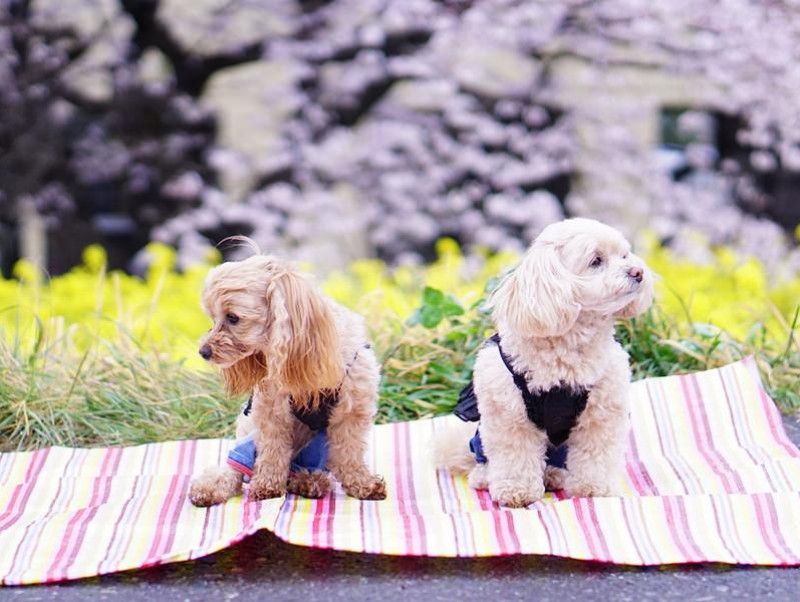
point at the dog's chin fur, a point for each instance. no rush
(555, 317)
(275, 336)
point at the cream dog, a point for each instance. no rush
(307, 364)
(554, 380)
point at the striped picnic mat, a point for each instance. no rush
(711, 476)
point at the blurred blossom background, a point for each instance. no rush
(335, 130)
(407, 151)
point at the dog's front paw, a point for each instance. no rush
(215, 486)
(313, 485)
(555, 478)
(515, 494)
(265, 489)
(577, 487)
(478, 477)
(373, 488)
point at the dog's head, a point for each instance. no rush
(573, 266)
(270, 322)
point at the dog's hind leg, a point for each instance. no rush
(349, 429)
(347, 439)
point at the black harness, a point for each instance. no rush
(316, 419)
(554, 411)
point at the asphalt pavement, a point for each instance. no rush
(265, 569)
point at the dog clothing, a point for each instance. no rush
(314, 456)
(554, 411)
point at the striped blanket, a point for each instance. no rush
(711, 476)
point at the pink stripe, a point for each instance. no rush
(638, 535)
(740, 428)
(176, 482)
(445, 481)
(677, 532)
(22, 492)
(320, 525)
(704, 438)
(514, 545)
(499, 533)
(664, 433)
(423, 547)
(33, 531)
(642, 482)
(740, 555)
(130, 512)
(584, 524)
(76, 528)
(402, 461)
(771, 411)
(595, 524)
(184, 476)
(770, 529)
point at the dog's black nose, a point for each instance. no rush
(636, 273)
(205, 352)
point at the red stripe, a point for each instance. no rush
(316, 531)
(514, 547)
(329, 522)
(499, 532)
(244, 469)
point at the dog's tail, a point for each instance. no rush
(451, 448)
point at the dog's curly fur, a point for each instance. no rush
(275, 335)
(555, 315)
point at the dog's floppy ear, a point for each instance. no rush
(303, 343)
(538, 298)
(643, 299)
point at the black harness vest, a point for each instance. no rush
(554, 411)
(315, 419)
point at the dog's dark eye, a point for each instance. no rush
(596, 262)
(231, 319)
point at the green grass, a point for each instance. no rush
(120, 394)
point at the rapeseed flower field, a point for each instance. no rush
(97, 357)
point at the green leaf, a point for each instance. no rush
(430, 316)
(451, 307)
(432, 296)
